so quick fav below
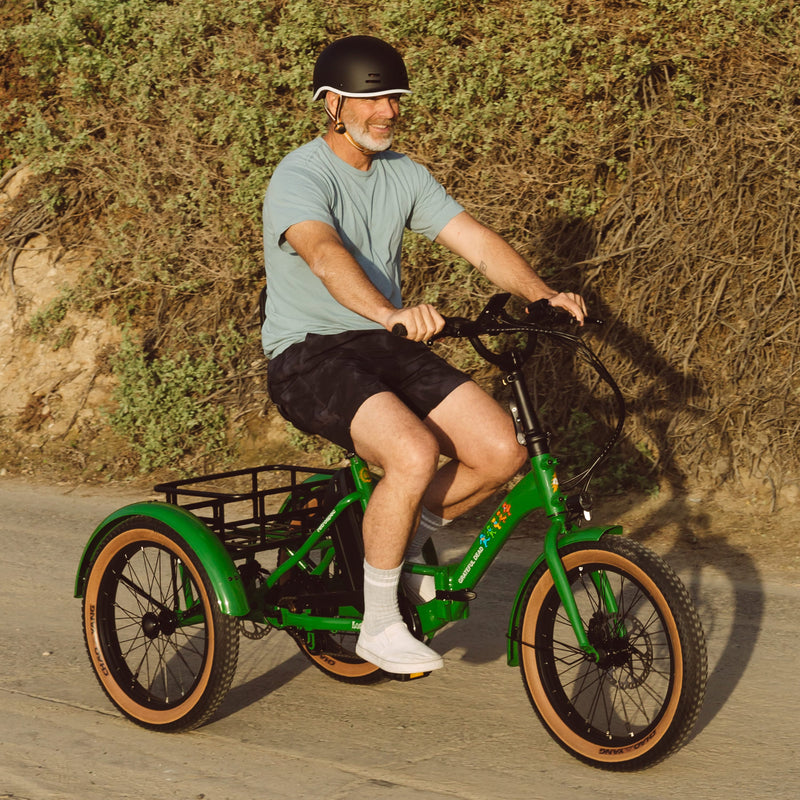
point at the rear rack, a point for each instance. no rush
(253, 509)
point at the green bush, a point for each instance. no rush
(644, 152)
(43, 323)
(165, 406)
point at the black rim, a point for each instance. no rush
(619, 700)
(152, 626)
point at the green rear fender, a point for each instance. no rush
(210, 551)
(587, 535)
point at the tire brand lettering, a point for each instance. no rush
(101, 664)
(611, 751)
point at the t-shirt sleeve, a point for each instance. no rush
(433, 208)
(294, 195)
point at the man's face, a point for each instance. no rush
(371, 120)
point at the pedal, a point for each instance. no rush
(458, 595)
(405, 678)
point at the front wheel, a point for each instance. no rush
(161, 648)
(640, 700)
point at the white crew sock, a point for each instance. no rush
(424, 586)
(380, 599)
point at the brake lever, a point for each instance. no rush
(549, 316)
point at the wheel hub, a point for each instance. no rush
(627, 657)
(164, 623)
(612, 647)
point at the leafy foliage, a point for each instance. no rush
(643, 151)
(165, 406)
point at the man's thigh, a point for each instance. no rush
(469, 424)
(386, 432)
(319, 387)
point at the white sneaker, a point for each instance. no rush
(395, 650)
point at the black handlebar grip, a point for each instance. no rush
(398, 329)
(542, 313)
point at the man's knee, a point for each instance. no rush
(408, 453)
(502, 459)
(416, 461)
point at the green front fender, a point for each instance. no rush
(210, 551)
(588, 535)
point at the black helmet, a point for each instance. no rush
(360, 66)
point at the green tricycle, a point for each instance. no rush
(607, 639)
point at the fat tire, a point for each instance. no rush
(336, 657)
(161, 672)
(332, 653)
(641, 702)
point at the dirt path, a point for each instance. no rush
(287, 731)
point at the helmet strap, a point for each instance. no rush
(338, 127)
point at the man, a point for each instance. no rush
(334, 216)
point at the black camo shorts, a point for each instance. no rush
(320, 383)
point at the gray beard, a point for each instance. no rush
(368, 143)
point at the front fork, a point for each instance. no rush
(561, 582)
(555, 506)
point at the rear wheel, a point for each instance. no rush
(332, 652)
(160, 646)
(639, 702)
(335, 655)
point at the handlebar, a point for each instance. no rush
(398, 329)
(540, 318)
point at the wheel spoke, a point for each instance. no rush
(158, 642)
(166, 665)
(636, 615)
(139, 592)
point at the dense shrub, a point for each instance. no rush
(643, 151)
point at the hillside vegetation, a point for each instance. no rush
(646, 153)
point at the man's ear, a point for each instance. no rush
(333, 107)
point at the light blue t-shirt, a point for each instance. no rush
(370, 211)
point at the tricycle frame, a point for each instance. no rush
(212, 535)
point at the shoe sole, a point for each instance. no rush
(399, 669)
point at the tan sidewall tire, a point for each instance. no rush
(146, 715)
(539, 696)
(341, 669)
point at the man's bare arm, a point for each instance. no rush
(321, 247)
(502, 264)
